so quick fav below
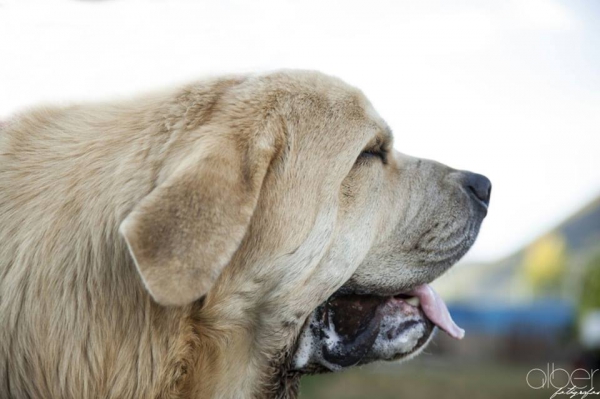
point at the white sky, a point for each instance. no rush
(510, 89)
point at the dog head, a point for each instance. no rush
(284, 204)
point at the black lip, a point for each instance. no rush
(357, 319)
(358, 324)
(482, 206)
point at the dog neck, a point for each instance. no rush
(230, 360)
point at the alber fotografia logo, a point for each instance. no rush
(578, 383)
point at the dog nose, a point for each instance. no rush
(479, 186)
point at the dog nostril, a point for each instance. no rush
(479, 185)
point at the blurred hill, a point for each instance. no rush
(559, 254)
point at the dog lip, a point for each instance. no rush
(484, 205)
(434, 307)
(354, 329)
(481, 205)
(351, 328)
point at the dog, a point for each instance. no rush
(219, 240)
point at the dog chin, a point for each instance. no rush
(349, 330)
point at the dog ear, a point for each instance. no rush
(187, 229)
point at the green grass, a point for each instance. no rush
(424, 380)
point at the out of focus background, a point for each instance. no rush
(510, 89)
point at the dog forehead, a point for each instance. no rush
(322, 102)
(316, 109)
(310, 89)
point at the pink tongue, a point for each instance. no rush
(436, 310)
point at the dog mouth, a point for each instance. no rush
(351, 329)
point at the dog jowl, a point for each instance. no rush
(387, 310)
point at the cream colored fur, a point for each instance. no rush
(172, 246)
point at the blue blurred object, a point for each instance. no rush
(544, 317)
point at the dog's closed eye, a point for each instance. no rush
(378, 148)
(370, 154)
(373, 152)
